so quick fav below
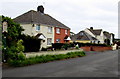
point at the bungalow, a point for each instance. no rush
(93, 36)
(45, 27)
(82, 37)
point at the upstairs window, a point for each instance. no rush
(81, 33)
(66, 32)
(58, 30)
(37, 27)
(50, 29)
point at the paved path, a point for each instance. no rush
(32, 54)
(95, 64)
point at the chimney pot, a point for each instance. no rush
(91, 28)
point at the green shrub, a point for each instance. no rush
(15, 63)
(29, 45)
(65, 46)
(12, 52)
(14, 32)
(21, 56)
(89, 44)
(20, 47)
(77, 46)
(62, 45)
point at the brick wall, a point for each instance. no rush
(96, 48)
(62, 35)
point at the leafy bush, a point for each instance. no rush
(12, 52)
(118, 43)
(57, 45)
(32, 44)
(65, 46)
(20, 47)
(44, 59)
(77, 46)
(62, 45)
(71, 45)
(11, 40)
(21, 56)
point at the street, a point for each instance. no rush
(94, 64)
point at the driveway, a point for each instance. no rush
(95, 64)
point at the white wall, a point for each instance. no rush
(30, 30)
(44, 30)
(27, 29)
(111, 39)
(101, 37)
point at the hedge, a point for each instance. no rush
(62, 45)
(31, 44)
(44, 59)
(89, 44)
(68, 45)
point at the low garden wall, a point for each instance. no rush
(33, 54)
(96, 48)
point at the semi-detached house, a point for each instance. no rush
(45, 27)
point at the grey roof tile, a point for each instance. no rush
(40, 18)
(96, 31)
(82, 36)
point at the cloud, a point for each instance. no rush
(83, 13)
(76, 14)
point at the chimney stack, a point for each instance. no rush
(40, 9)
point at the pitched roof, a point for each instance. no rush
(107, 34)
(39, 18)
(82, 35)
(96, 31)
(40, 36)
(90, 37)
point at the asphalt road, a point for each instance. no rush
(95, 64)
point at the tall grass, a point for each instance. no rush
(44, 59)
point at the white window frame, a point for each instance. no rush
(57, 40)
(49, 29)
(66, 31)
(49, 41)
(81, 33)
(58, 30)
(37, 26)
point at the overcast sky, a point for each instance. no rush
(76, 14)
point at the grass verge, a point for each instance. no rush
(44, 59)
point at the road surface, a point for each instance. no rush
(94, 64)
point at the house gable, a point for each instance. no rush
(90, 32)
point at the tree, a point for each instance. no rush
(14, 31)
(72, 33)
(12, 38)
